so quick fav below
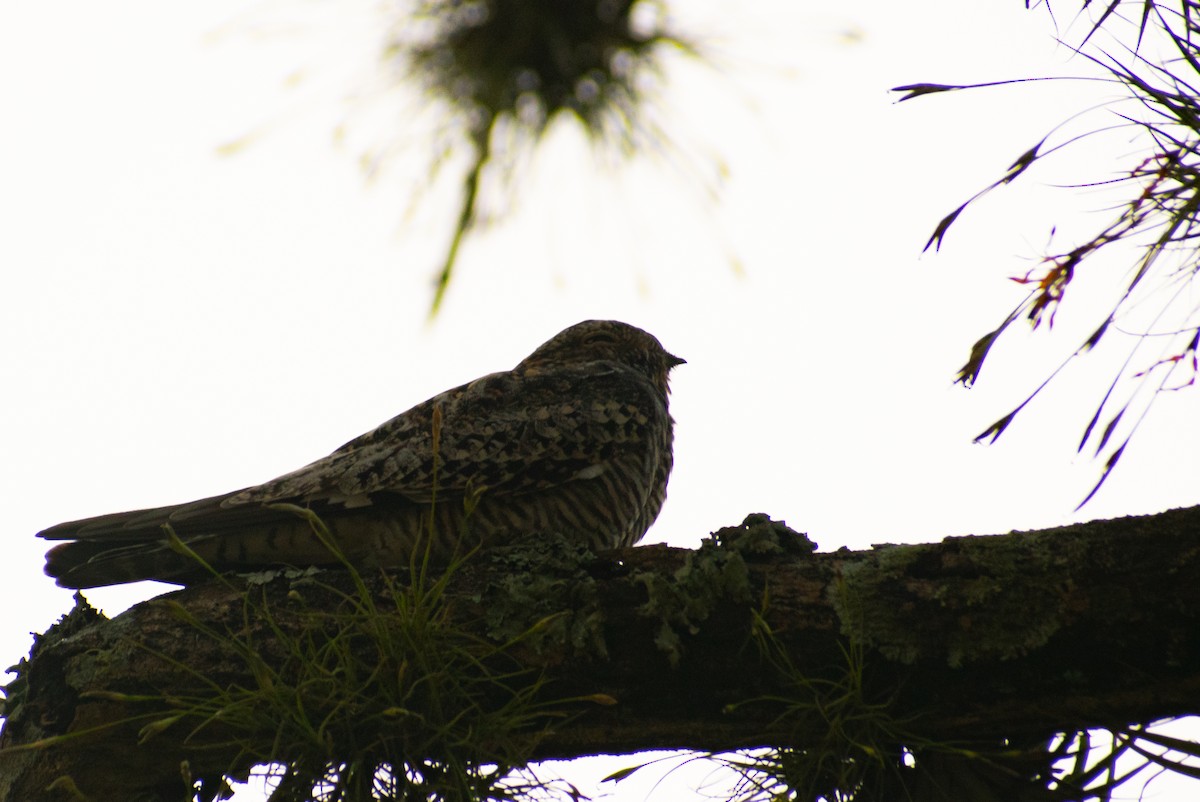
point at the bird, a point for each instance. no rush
(575, 440)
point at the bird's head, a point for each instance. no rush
(604, 341)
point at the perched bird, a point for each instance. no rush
(576, 440)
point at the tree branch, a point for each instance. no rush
(972, 639)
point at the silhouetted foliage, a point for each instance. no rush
(1159, 219)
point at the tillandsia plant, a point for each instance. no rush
(1153, 56)
(870, 749)
(367, 695)
(512, 67)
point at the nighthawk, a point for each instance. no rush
(575, 440)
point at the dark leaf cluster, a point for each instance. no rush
(521, 64)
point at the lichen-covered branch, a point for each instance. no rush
(558, 653)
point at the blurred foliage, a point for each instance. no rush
(1159, 220)
(512, 67)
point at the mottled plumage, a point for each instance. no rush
(576, 439)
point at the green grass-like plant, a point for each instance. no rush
(373, 694)
(865, 751)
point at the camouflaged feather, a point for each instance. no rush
(576, 439)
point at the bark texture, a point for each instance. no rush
(972, 639)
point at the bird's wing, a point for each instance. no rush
(503, 434)
(147, 523)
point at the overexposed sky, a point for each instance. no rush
(202, 289)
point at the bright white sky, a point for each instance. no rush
(179, 320)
